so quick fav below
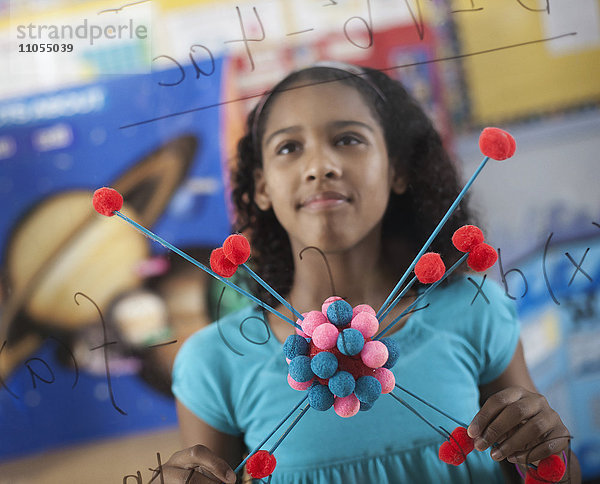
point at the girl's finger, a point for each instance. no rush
(526, 435)
(174, 475)
(491, 408)
(507, 435)
(511, 417)
(554, 443)
(206, 462)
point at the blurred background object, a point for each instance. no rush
(150, 98)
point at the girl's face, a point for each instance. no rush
(326, 171)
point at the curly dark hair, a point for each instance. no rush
(413, 145)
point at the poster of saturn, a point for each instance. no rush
(73, 357)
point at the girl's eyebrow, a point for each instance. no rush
(281, 131)
(334, 124)
(343, 124)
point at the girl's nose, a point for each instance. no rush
(320, 165)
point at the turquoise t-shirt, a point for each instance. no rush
(447, 351)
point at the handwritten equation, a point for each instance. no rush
(358, 31)
(577, 271)
(366, 24)
(473, 8)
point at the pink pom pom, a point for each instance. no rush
(221, 264)
(327, 302)
(296, 385)
(497, 144)
(374, 354)
(467, 237)
(325, 336)
(312, 319)
(106, 201)
(346, 406)
(261, 464)
(363, 308)
(551, 468)
(287, 360)
(237, 248)
(482, 257)
(430, 268)
(299, 331)
(366, 323)
(386, 378)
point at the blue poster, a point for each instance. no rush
(64, 375)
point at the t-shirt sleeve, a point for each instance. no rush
(202, 381)
(496, 331)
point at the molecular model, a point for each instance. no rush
(338, 356)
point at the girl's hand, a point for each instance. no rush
(521, 423)
(197, 465)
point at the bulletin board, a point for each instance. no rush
(544, 56)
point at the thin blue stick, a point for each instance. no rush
(289, 429)
(257, 448)
(273, 292)
(409, 407)
(398, 298)
(166, 244)
(430, 405)
(416, 301)
(434, 233)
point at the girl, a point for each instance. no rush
(341, 158)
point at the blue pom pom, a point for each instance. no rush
(320, 398)
(341, 384)
(367, 389)
(393, 350)
(366, 406)
(324, 364)
(339, 313)
(295, 345)
(300, 369)
(350, 342)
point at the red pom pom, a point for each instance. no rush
(237, 248)
(467, 237)
(430, 268)
(262, 464)
(107, 200)
(461, 437)
(450, 455)
(551, 468)
(221, 264)
(497, 144)
(532, 477)
(454, 451)
(482, 257)
(513, 145)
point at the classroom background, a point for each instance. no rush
(92, 312)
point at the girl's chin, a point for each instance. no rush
(332, 243)
(337, 234)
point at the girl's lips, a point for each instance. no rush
(324, 200)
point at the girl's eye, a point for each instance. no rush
(287, 148)
(347, 140)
